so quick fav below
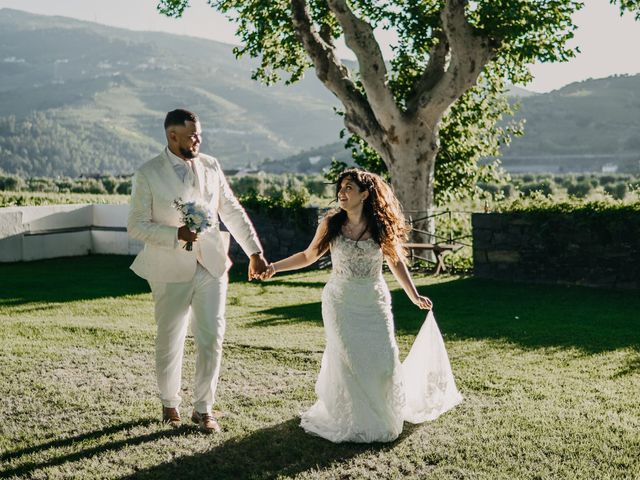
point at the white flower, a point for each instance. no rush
(197, 219)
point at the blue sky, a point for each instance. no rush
(608, 42)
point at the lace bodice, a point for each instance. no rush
(351, 259)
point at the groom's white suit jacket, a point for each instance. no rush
(155, 221)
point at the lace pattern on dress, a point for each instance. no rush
(356, 259)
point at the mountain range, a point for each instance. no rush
(583, 126)
(77, 98)
(588, 126)
(92, 98)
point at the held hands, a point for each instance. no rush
(424, 303)
(257, 266)
(269, 272)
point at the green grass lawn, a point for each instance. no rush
(550, 375)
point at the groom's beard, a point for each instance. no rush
(186, 153)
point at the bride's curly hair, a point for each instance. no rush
(382, 211)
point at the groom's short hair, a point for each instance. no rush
(179, 117)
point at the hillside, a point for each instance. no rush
(578, 128)
(313, 160)
(78, 97)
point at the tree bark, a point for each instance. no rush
(412, 178)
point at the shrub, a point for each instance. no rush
(89, 185)
(541, 204)
(527, 178)
(617, 190)
(42, 184)
(12, 183)
(64, 184)
(543, 187)
(606, 179)
(282, 199)
(318, 187)
(283, 203)
(507, 190)
(109, 183)
(490, 188)
(124, 188)
(580, 189)
(245, 184)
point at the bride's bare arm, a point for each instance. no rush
(300, 259)
(401, 272)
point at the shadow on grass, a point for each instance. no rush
(27, 469)
(280, 450)
(536, 316)
(68, 279)
(532, 316)
(65, 442)
(304, 312)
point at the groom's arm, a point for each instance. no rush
(234, 216)
(139, 222)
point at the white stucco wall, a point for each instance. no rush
(11, 229)
(72, 244)
(33, 233)
(110, 215)
(49, 217)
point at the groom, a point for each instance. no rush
(187, 284)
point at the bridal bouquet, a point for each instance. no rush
(195, 216)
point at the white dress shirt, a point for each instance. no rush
(185, 169)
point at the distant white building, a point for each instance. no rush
(609, 168)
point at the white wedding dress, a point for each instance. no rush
(364, 392)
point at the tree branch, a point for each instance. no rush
(359, 117)
(468, 53)
(432, 74)
(359, 37)
(325, 35)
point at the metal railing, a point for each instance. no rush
(448, 238)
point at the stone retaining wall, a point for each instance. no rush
(280, 236)
(583, 248)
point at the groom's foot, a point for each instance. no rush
(206, 422)
(171, 416)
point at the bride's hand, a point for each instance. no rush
(424, 303)
(268, 273)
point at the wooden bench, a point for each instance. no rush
(439, 251)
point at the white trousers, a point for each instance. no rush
(203, 300)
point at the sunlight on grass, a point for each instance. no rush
(550, 376)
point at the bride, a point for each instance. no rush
(364, 393)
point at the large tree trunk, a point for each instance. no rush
(412, 178)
